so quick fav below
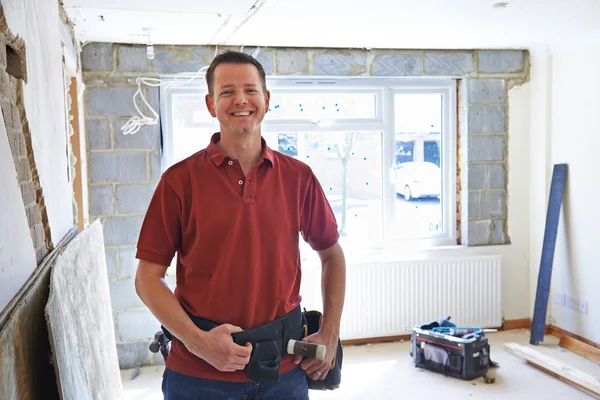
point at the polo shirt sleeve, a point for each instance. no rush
(317, 222)
(160, 235)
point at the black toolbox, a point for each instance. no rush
(467, 358)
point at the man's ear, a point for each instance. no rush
(210, 104)
(267, 101)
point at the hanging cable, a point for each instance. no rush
(135, 123)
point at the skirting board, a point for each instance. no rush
(550, 330)
(558, 332)
(508, 325)
(513, 324)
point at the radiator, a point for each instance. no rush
(385, 299)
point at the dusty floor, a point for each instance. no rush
(386, 371)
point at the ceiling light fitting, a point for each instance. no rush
(149, 47)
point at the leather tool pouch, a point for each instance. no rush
(333, 379)
(269, 344)
(265, 361)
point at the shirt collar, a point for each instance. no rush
(218, 156)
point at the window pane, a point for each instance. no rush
(287, 143)
(417, 174)
(192, 125)
(321, 106)
(348, 166)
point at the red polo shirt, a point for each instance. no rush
(236, 239)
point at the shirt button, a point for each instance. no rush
(241, 182)
(230, 162)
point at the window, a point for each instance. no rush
(344, 163)
(384, 151)
(187, 124)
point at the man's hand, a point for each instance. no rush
(333, 287)
(318, 369)
(217, 348)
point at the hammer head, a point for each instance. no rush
(159, 341)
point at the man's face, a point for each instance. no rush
(239, 101)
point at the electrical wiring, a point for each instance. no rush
(135, 123)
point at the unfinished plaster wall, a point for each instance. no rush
(38, 24)
(17, 256)
(15, 263)
(125, 169)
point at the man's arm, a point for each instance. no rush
(152, 288)
(216, 347)
(333, 288)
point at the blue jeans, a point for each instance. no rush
(292, 385)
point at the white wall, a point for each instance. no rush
(17, 256)
(539, 158)
(571, 121)
(38, 23)
(515, 256)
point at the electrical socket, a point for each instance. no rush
(559, 298)
(583, 306)
(572, 302)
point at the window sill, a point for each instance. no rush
(382, 255)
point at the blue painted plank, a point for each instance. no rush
(538, 325)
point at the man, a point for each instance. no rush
(233, 213)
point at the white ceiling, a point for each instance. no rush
(431, 24)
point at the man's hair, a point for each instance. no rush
(234, 57)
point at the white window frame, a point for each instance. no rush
(384, 90)
(384, 122)
(167, 93)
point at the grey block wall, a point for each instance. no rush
(124, 170)
(122, 177)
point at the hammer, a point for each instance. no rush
(306, 349)
(160, 343)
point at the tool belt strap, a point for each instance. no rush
(269, 342)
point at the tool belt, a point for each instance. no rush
(269, 343)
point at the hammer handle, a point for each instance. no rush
(306, 349)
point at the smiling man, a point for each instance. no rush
(234, 213)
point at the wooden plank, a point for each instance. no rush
(562, 378)
(573, 376)
(75, 137)
(578, 347)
